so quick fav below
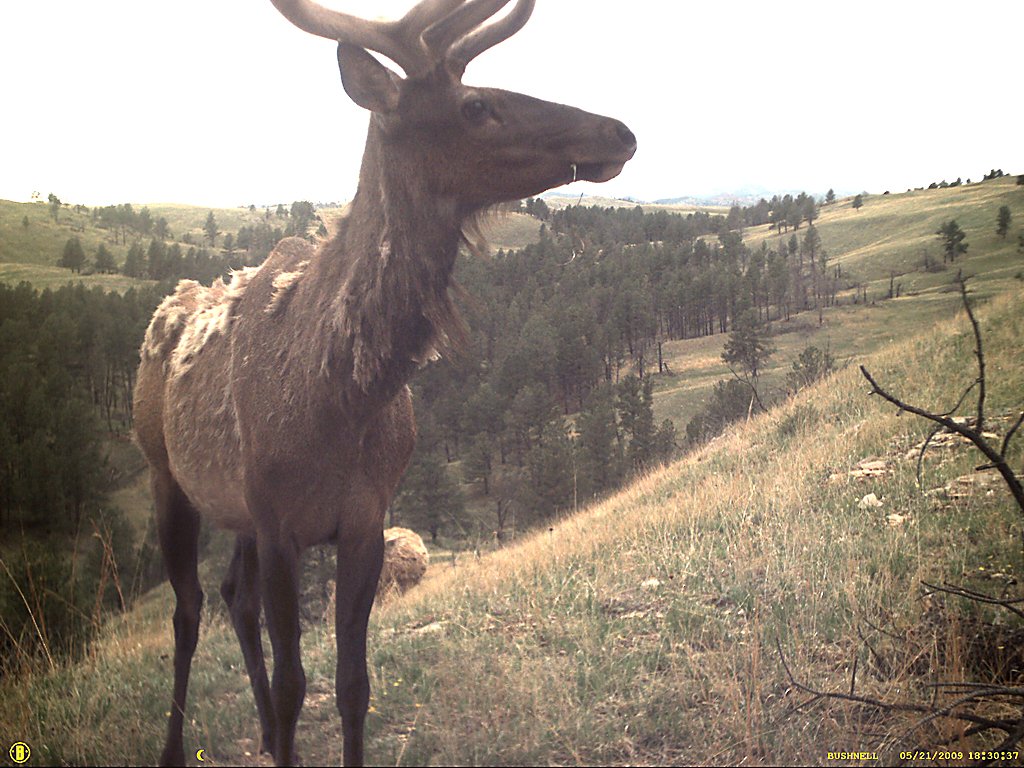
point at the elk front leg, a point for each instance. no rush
(359, 565)
(279, 578)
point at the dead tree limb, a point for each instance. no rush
(997, 457)
(975, 695)
(978, 597)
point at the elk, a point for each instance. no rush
(276, 404)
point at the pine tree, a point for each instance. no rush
(551, 478)
(156, 256)
(812, 364)
(635, 405)
(135, 261)
(598, 449)
(73, 257)
(748, 350)
(1003, 221)
(748, 347)
(55, 205)
(105, 260)
(210, 228)
(952, 238)
(428, 498)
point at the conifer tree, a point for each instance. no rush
(210, 228)
(598, 449)
(105, 260)
(1003, 221)
(952, 238)
(73, 257)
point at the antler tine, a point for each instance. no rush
(428, 12)
(459, 23)
(483, 39)
(398, 40)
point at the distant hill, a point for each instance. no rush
(683, 205)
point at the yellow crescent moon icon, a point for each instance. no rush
(199, 755)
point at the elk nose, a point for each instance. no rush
(625, 136)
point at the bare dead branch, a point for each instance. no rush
(924, 447)
(1011, 433)
(979, 597)
(997, 459)
(960, 402)
(882, 662)
(1012, 738)
(930, 712)
(979, 352)
(853, 676)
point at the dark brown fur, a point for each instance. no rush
(276, 405)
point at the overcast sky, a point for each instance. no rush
(224, 103)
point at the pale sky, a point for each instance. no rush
(224, 103)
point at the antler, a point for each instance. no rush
(472, 45)
(434, 30)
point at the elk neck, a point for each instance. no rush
(393, 259)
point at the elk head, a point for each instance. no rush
(472, 146)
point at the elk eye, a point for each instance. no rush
(475, 110)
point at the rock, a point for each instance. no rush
(871, 501)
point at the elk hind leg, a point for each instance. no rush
(241, 592)
(178, 528)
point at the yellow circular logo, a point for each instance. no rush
(20, 752)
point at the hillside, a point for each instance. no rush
(888, 237)
(30, 252)
(642, 630)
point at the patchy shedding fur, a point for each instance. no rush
(169, 320)
(187, 319)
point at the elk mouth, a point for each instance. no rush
(596, 172)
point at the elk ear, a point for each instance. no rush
(368, 83)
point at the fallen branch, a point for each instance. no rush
(978, 597)
(977, 694)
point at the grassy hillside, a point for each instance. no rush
(642, 630)
(32, 252)
(890, 234)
